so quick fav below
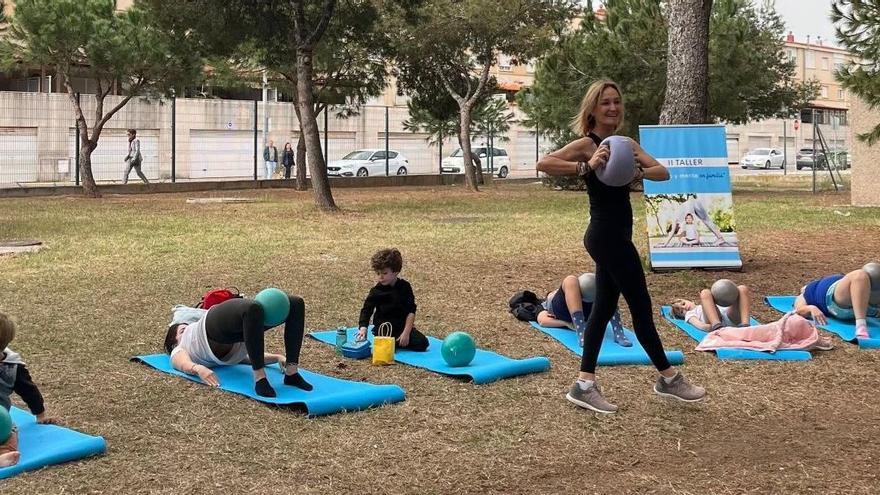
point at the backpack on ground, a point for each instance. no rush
(525, 305)
(217, 296)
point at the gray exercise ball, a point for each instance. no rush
(873, 270)
(724, 292)
(620, 168)
(587, 281)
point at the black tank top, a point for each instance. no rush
(610, 208)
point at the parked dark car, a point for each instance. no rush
(805, 158)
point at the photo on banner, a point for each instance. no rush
(690, 218)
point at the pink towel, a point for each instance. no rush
(792, 331)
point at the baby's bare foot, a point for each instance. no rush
(10, 459)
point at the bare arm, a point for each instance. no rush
(653, 169)
(808, 310)
(183, 363)
(565, 161)
(545, 319)
(699, 324)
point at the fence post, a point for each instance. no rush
(387, 165)
(537, 146)
(173, 138)
(326, 138)
(256, 132)
(440, 160)
(785, 147)
(815, 161)
(77, 145)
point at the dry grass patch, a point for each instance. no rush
(104, 290)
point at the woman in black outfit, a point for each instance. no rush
(608, 240)
(287, 160)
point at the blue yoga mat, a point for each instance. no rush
(846, 330)
(611, 354)
(733, 354)
(486, 367)
(45, 445)
(330, 395)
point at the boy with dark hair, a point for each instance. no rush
(14, 377)
(392, 300)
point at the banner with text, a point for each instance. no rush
(690, 217)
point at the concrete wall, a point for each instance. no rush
(214, 138)
(866, 159)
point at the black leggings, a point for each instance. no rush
(619, 271)
(241, 320)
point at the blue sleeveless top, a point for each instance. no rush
(816, 290)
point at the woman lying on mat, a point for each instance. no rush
(569, 307)
(231, 333)
(709, 316)
(844, 297)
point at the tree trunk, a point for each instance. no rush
(464, 139)
(309, 126)
(687, 67)
(90, 189)
(301, 162)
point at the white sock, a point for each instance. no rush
(669, 379)
(861, 322)
(584, 384)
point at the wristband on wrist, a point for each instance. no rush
(583, 169)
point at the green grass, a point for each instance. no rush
(103, 290)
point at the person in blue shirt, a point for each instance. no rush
(840, 296)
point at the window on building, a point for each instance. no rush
(840, 94)
(841, 118)
(791, 54)
(810, 59)
(824, 92)
(824, 63)
(504, 62)
(839, 62)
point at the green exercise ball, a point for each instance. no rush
(5, 424)
(458, 349)
(276, 306)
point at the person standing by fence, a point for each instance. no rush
(270, 156)
(287, 159)
(133, 159)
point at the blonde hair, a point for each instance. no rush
(7, 331)
(584, 122)
(678, 308)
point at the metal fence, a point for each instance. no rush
(208, 139)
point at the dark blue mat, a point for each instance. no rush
(330, 395)
(486, 367)
(846, 330)
(611, 353)
(733, 354)
(45, 445)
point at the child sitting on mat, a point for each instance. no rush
(709, 316)
(566, 307)
(843, 297)
(690, 236)
(15, 377)
(392, 300)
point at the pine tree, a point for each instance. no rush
(858, 28)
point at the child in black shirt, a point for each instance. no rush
(14, 377)
(392, 300)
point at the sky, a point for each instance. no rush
(807, 17)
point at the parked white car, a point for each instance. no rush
(452, 164)
(367, 162)
(763, 158)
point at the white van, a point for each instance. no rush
(500, 161)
